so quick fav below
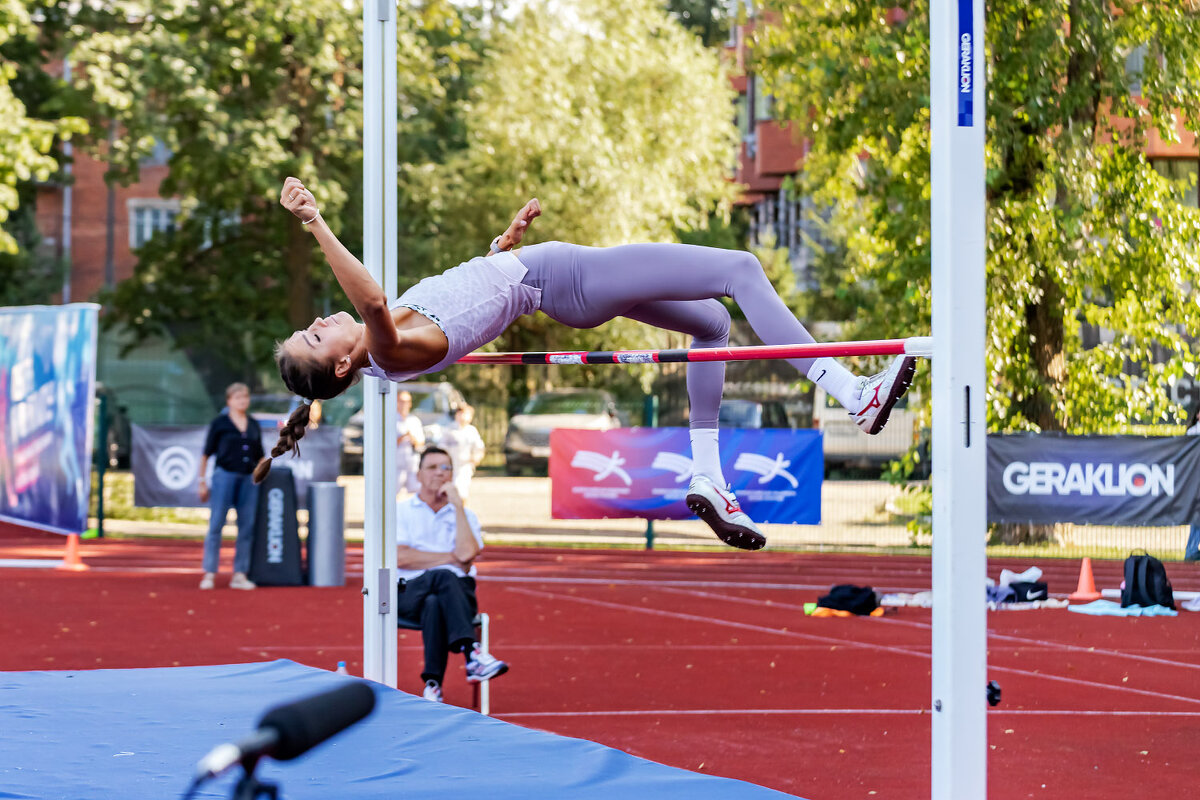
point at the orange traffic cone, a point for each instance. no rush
(1087, 584)
(71, 560)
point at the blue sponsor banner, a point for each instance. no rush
(966, 63)
(47, 386)
(644, 472)
(1101, 480)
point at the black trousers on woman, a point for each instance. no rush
(445, 605)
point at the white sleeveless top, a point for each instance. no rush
(472, 303)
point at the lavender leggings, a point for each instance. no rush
(671, 286)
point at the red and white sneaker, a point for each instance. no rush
(720, 511)
(880, 392)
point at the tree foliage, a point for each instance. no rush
(605, 112)
(1082, 231)
(26, 146)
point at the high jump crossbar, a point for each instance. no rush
(912, 346)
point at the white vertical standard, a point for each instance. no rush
(379, 407)
(957, 95)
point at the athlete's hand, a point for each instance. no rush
(520, 224)
(298, 200)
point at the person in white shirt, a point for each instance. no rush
(462, 441)
(438, 540)
(410, 441)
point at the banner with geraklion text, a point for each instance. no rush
(47, 387)
(1099, 480)
(644, 472)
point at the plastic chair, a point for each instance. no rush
(481, 697)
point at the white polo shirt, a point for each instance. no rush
(420, 527)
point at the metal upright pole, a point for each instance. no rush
(958, 117)
(379, 407)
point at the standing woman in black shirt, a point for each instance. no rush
(236, 440)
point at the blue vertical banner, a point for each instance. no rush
(47, 390)
(966, 63)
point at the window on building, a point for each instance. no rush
(1183, 173)
(763, 102)
(1134, 65)
(148, 217)
(159, 156)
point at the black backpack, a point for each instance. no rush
(1146, 583)
(848, 597)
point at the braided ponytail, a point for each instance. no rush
(289, 437)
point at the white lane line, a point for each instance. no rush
(849, 712)
(850, 643)
(929, 627)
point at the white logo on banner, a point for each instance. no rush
(1050, 477)
(602, 465)
(176, 467)
(767, 468)
(674, 462)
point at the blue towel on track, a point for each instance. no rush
(1109, 608)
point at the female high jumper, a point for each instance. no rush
(672, 286)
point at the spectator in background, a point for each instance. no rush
(410, 441)
(438, 540)
(235, 439)
(464, 444)
(1191, 552)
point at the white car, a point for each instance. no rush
(527, 445)
(848, 446)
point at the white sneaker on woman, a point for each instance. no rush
(880, 392)
(208, 581)
(720, 511)
(432, 691)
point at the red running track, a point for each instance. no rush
(701, 661)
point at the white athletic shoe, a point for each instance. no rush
(432, 692)
(208, 581)
(240, 581)
(483, 666)
(720, 511)
(880, 392)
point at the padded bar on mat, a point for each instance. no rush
(138, 734)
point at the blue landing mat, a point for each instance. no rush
(130, 734)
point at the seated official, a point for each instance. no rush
(438, 540)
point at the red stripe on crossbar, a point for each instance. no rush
(877, 347)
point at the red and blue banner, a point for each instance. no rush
(644, 473)
(47, 385)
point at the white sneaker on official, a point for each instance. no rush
(720, 511)
(483, 666)
(880, 392)
(432, 692)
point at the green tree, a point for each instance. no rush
(243, 94)
(1081, 229)
(708, 19)
(605, 112)
(26, 155)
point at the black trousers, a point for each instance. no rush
(445, 605)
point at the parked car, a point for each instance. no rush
(271, 409)
(847, 446)
(432, 404)
(737, 412)
(527, 445)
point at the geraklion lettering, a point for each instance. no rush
(1087, 479)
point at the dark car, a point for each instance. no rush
(527, 445)
(737, 412)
